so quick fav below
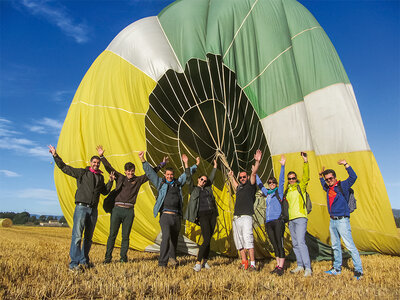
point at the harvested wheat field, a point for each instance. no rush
(34, 265)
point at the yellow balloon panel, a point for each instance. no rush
(109, 108)
(372, 223)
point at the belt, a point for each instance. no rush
(83, 204)
(338, 218)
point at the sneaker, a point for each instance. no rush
(197, 267)
(280, 271)
(173, 262)
(307, 273)
(358, 275)
(244, 266)
(297, 270)
(333, 271)
(274, 270)
(76, 269)
(206, 266)
(87, 266)
(122, 260)
(252, 268)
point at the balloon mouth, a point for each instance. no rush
(204, 112)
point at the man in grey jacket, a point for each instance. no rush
(169, 205)
(90, 183)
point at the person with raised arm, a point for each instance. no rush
(242, 225)
(202, 210)
(122, 214)
(169, 205)
(274, 216)
(337, 197)
(90, 184)
(296, 195)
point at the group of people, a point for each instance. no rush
(282, 206)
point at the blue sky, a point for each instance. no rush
(46, 47)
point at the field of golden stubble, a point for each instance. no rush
(34, 265)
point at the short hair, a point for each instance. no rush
(95, 157)
(169, 169)
(273, 179)
(203, 175)
(291, 172)
(129, 166)
(329, 171)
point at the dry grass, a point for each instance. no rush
(34, 265)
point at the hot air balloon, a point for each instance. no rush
(220, 79)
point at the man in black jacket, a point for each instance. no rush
(127, 189)
(90, 183)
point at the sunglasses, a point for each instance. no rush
(242, 177)
(202, 179)
(271, 182)
(329, 178)
(292, 178)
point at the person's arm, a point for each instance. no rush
(352, 175)
(233, 180)
(306, 172)
(186, 174)
(74, 172)
(148, 170)
(213, 172)
(161, 164)
(254, 168)
(107, 187)
(322, 179)
(282, 176)
(106, 163)
(261, 186)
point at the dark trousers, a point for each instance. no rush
(275, 230)
(124, 216)
(207, 225)
(170, 227)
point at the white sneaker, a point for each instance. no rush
(297, 270)
(307, 273)
(197, 267)
(206, 266)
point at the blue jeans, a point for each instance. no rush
(298, 228)
(85, 219)
(341, 228)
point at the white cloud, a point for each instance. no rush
(6, 129)
(58, 15)
(8, 173)
(63, 96)
(46, 125)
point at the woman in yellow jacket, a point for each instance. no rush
(298, 217)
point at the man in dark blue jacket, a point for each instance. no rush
(338, 193)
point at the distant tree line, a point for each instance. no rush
(25, 217)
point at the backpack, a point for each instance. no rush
(306, 202)
(109, 201)
(352, 201)
(284, 206)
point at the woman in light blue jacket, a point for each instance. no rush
(274, 222)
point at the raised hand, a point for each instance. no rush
(215, 163)
(141, 156)
(342, 162)
(230, 174)
(52, 150)
(322, 171)
(304, 156)
(184, 158)
(100, 150)
(112, 176)
(283, 160)
(197, 160)
(165, 159)
(258, 155)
